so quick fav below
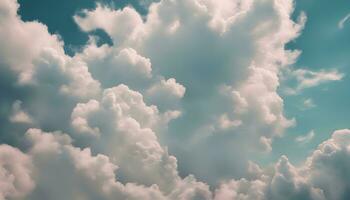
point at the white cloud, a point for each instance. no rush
(126, 22)
(328, 165)
(53, 168)
(53, 153)
(322, 176)
(285, 182)
(308, 103)
(18, 115)
(24, 41)
(166, 94)
(343, 21)
(31, 52)
(15, 173)
(194, 42)
(302, 139)
(311, 79)
(112, 66)
(225, 123)
(226, 56)
(308, 79)
(128, 137)
(169, 87)
(60, 169)
(35, 70)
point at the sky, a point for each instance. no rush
(174, 99)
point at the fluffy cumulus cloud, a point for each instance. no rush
(32, 54)
(15, 173)
(173, 109)
(53, 168)
(223, 53)
(129, 139)
(35, 75)
(113, 66)
(322, 176)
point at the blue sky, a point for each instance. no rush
(183, 99)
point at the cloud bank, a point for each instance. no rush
(190, 88)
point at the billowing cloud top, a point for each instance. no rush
(177, 107)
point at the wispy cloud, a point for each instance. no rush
(343, 20)
(303, 139)
(308, 103)
(308, 79)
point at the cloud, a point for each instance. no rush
(322, 176)
(53, 153)
(308, 79)
(165, 93)
(168, 86)
(129, 118)
(198, 76)
(308, 103)
(18, 115)
(306, 138)
(36, 72)
(192, 42)
(284, 182)
(15, 173)
(112, 66)
(224, 122)
(127, 21)
(169, 64)
(343, 21)
(53, 166)
(130, 140)
(60, 169)
(328, 165)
